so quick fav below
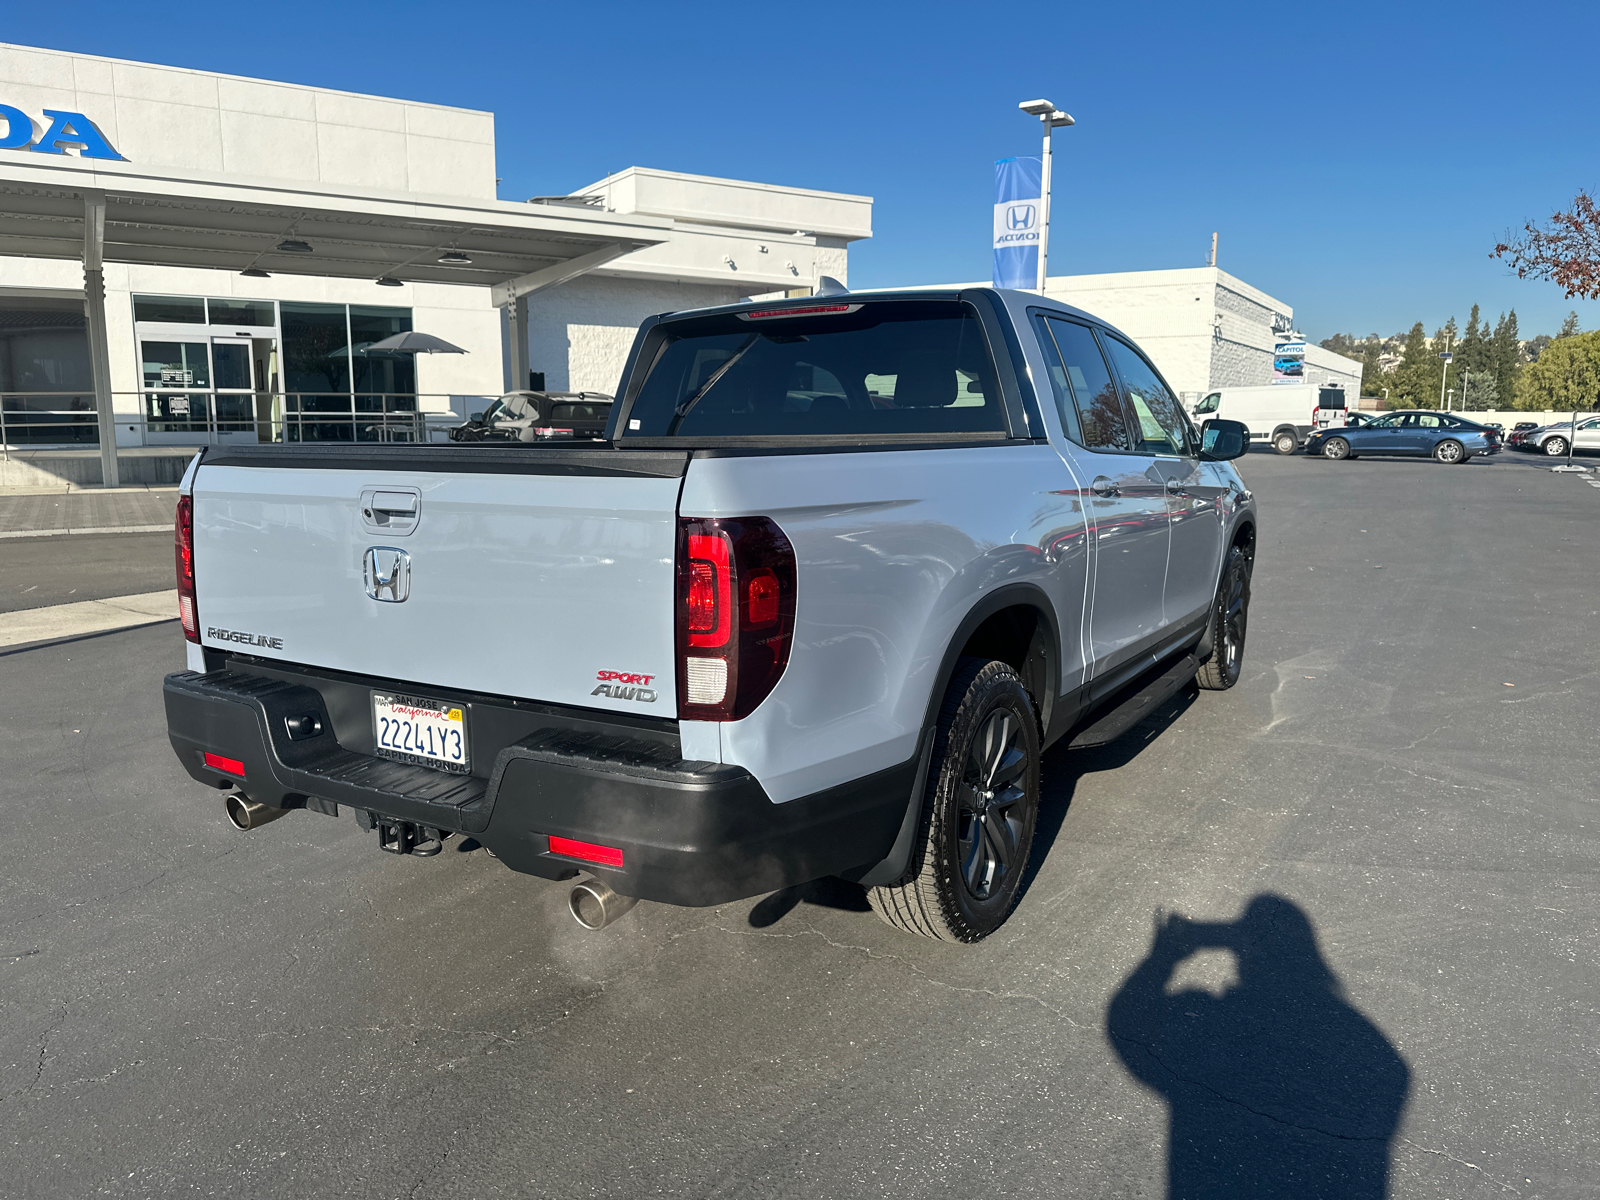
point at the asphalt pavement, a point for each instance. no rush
(1383, 839)
(37, 572)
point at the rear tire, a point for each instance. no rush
(979, 811)
(1285, 442)
(1230, 618)
(1335, 448)
(1450, 451)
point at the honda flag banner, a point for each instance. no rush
(1017, 189)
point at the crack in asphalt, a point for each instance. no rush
(44, 1052)
(1463, 1162)
(1226, 1099)
(812, 931)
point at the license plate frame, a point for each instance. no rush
(407, 735)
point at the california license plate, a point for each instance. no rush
(410, 729)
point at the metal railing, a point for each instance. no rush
(69, 421)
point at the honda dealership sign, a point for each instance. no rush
(1017, 213)
(63, 131)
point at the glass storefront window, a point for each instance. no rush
(175, 364)
(243, 313)
(385, 382)
(174, 310)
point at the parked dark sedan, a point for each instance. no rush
(1443, 436)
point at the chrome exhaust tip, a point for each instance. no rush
(246, 814)
(594, 905)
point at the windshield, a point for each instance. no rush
(880, 367)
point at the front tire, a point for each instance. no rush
(1556, 447)
(979, 811)
(1230, 618)
(1450, 451)
(1336, 448)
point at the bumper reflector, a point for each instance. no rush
(231, 766)
(606, 856)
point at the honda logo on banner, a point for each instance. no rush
(1017, 192)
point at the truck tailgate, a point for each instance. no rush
(529, 585)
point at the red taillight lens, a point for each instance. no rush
(606, 856)
(736, 599)
(710, 590)
(231, 766)
(183, 545)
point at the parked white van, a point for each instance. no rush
(1282, 414)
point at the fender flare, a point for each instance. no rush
(1046, 641)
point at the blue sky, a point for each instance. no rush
(1358, 162)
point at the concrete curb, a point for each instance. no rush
(87, 616)
(22, 533)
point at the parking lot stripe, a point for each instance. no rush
(87, 616)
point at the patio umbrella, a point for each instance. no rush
(416, 343)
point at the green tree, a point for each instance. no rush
(1416, 381)
(1506, 357)
(1566, 378)
(1570, 326)
(1533, 347)
(1479, 392)
(1474, 352)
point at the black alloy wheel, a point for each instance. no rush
(1336, 448)
(1230, 620)
(993, 805)
(980, 805)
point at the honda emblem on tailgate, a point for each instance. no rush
(388, 574)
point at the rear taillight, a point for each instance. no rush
(736, 591)
(183, 544)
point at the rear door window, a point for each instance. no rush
(1159, 425)
(874, 367)
(1086, 397)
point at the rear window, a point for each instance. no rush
(880, 367)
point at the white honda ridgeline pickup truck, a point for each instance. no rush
(840, 570)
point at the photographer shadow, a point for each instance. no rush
(1276, 1086)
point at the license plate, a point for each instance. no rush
(431, 733)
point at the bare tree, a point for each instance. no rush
(1565, 250)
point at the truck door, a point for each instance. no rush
(1193, 498)
(1126, 498)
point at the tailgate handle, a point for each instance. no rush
(394, 510)
(399, 503)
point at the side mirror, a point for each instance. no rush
(1221, 440)
(477, 416)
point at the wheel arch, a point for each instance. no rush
(1015, 624)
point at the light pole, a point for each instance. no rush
(1051, 118)
(1448, 358)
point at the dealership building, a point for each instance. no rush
(188, 257)
(1205, 329)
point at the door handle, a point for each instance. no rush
(1175, 487)
(1102, 486)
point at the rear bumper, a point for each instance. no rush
(691, 833)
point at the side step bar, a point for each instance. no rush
(1118, 720)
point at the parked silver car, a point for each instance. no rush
(1554, 439)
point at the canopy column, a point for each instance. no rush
(94, 307)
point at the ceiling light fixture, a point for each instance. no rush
(389, 281)
(454, 258)
(294, 246)
(254, 273)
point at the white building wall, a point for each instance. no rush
(1169, 313)
(579, 333)
(1327, 369)
(158, 116)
